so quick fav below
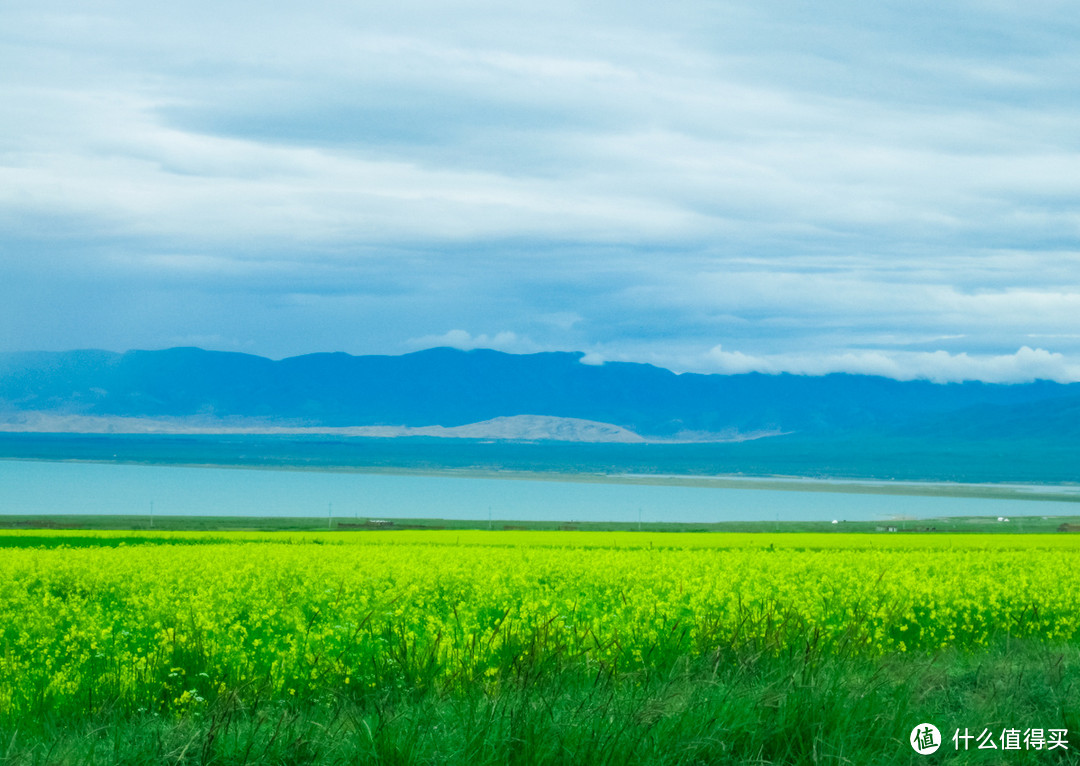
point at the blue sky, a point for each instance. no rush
(891, 187)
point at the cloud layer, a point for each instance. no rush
(890, 187)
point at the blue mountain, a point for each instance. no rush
(449, 387)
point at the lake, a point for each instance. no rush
(41, 487)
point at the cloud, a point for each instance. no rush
(879, 186)
(1024, 366)
(787, 306)
(379, 132)
(503, 341)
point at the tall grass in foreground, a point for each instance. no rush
(728, 708)
(479, 650)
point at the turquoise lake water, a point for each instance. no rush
(37, 487)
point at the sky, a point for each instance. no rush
(888, 188)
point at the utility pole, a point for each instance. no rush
(329, 514)
(151, 514)
(638, 519)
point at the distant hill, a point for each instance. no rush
(451, 388)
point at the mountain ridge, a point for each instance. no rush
(452, 389)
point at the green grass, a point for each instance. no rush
(734, 708)
(962, 524)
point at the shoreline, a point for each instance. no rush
(513, 428)
(16, 525)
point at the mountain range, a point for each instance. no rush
(551, 395)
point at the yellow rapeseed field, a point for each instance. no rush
(171, 624)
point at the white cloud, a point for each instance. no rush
(628, 179)
(1026, 365)
(116, 164)
(460, 339)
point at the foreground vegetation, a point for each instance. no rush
(531, 647)
(730, 707)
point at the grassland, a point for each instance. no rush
(949, 525)
(518, 646)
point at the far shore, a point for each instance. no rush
(519, 428)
